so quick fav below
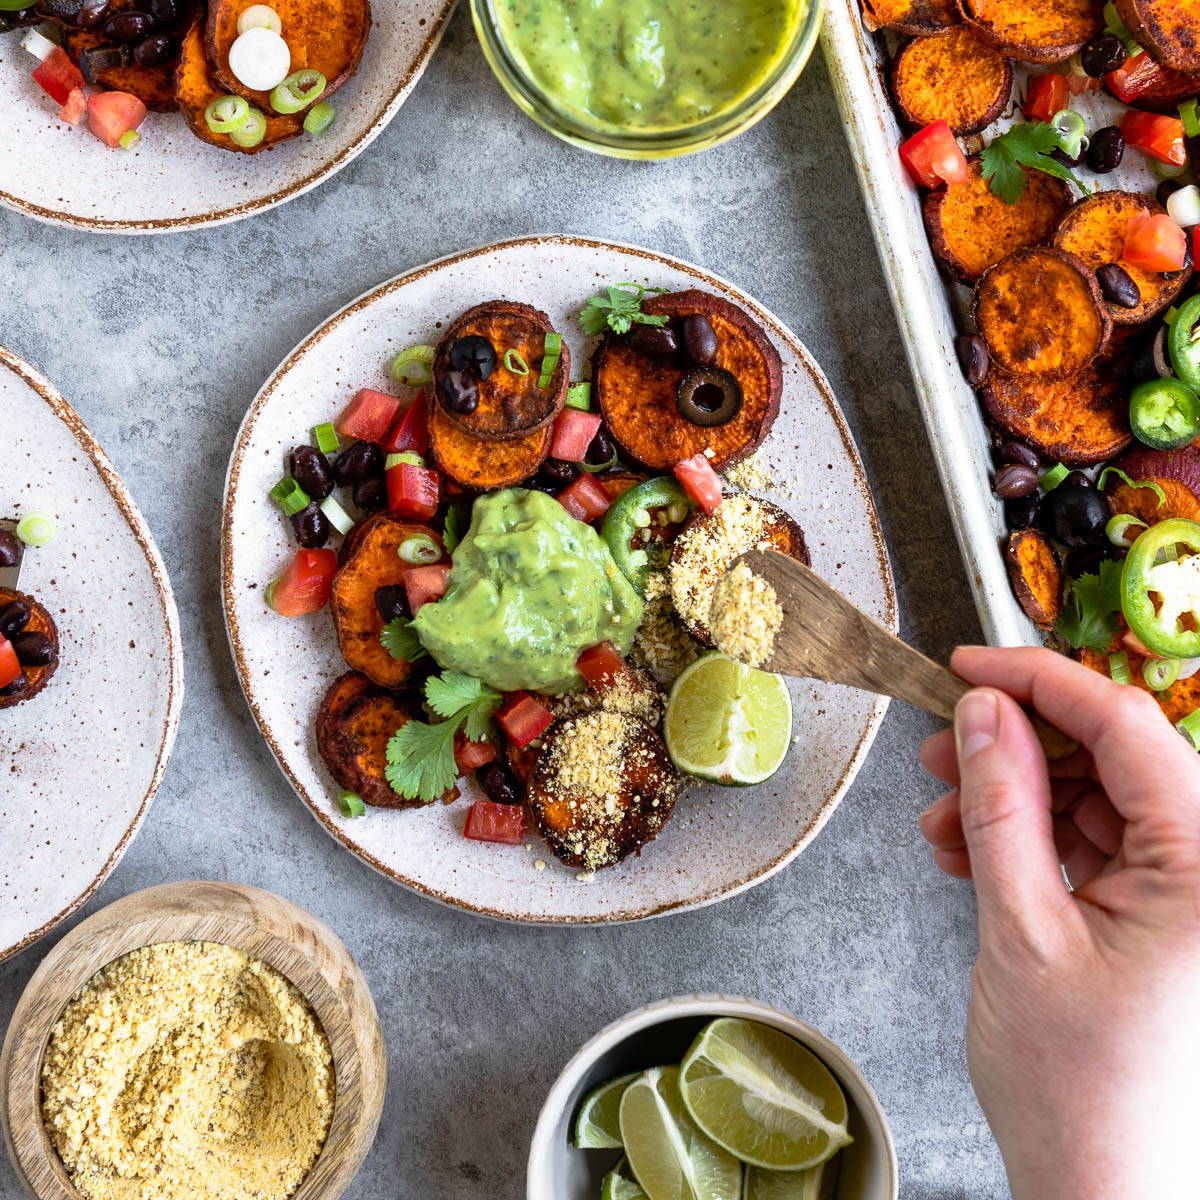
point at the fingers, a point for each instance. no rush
(956, 863)
(940, 758)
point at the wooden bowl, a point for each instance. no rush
(257, 922)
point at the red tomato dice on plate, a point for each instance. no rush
(58, 76)
(1158, 136)
(523, 717)
(75, 109)
(412, 491)
(1139, 74)
(424, 584)
(585, 499)
(602, 666)
(701, 482)
(1155, 243)
(111, 115)
(410, 432)
(304, 587)
(10, 665)
(573, 434)
(368, 416)
(933, 157)
(491, 822)
(1048, 95)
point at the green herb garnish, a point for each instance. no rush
(400, 640)
(458, 521)
(1023, 148)
(619, 311)
(1133, 483)
(1091, 614)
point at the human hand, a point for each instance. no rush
(1083, 1034)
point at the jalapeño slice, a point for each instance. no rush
(629, 515)
(1164, 414)
(1184, 342)
(1160, 588)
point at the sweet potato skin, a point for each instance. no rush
(1036, 575)
(40, 621)
(971, 230)
(1041, 313)
(953, 77)
(1169, 93)
(1035, 31)
(481, 466)
(1169, 29)
(1094, 231)
(917, 18)
(636, 393)
(1177, 702)
(1177, 472)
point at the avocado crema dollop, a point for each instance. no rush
(530, 587)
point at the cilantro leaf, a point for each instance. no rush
(619, 310)
(400, 640)
(1090, 616)
(457, 696)
(1025, 147)
(458, 521)
(420, 760)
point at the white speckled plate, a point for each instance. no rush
(174, 181)
(720, 841)
(81, 761)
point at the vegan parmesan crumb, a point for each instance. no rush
(662, 645)
(751, 474)
(746, 615)
(636, 695)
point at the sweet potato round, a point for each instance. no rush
(1169, 29)
(1177, 472)
(1036, 576)
(1177, 702)
(953, 77)
(636, 393)
(483, 466)
(917, 18)
(1094, 231)
(1035, 31)
(1041, 314)
(40, 621)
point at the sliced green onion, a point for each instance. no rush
(553, 343)
(336, 515)
(579, 395)
(1114, 25)
(290, 496)
(36, 529)
(1121, 526)
(1160, 673)
(515, 363)
(414, 367)
(1189, 114)
(16, 5)
(227, 114)
(319, 118)
(298, 91)
(1190, 728)
(405, 457)
(350, 804)
(269, 594)
(1070, 127)
(130, 139)
(1054, 477)
(326, 438)
(252, 132)
(1133, 483)
(420, 548)
(1118, 667)
(1163, 170)
(596, 468)
(548, 367)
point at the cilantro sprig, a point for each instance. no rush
(1091, 614)
(420, 755)
(1026, 147)
(400, 640)
(619, 310)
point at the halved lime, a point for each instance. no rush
(619, 1184)
(728, 722)
(668, 1153)
(763, 1096)
(597, 1126)
(817, 1183)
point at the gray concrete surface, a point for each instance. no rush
(161, 343)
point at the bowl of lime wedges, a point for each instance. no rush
(711, 1098)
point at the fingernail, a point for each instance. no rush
(976, 723)
(929, 811)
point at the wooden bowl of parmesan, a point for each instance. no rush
(193, 1041)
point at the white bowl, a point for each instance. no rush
(661, 1033)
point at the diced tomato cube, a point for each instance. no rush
(423, 584)
(73, 111)
(1048, 95)
(602, 666)
(573, 433)
(368, 416)
(304, 587)
(933, 157)
(411, 431)
(470, 756)
(412, 491)
(700, 481)
(523, 718)
(10, 665)
(585, 499)
(58, 76)
(1139, 74)
(1155, 243)
(491, 822)
(1160, 137)
(111, 115)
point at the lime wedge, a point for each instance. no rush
(669, 1155)
(619, 1184)
(597, 1127)
(763, 1096)
(728, 722)
(817, 1183)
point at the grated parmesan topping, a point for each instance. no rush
(662, 645)
(635, 694)
(746, 616)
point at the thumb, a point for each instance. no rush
(1004, 797)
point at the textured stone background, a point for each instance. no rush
(161, 343)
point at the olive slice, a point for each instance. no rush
(709, 396)
(475, 353)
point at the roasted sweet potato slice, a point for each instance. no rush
(1169, 29)
(1076, 421)
(323, 35)
(602, 787)
(1177, 472)
(1094, 231)
(483, 466)
(1035, 31)
(1177, 702)
(914, 17)
(354, 538)
(970, 229)
(953, 77)
(637, 393)
(195, 90)
(342, 691)
(1041, 314)
(374, 563)
(40, 621)
(511, 405)
(1036, 575)
(708, 544)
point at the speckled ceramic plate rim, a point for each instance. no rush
(141, 532)
(778, 330)
(262, 203)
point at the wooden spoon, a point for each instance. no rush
(824, 636)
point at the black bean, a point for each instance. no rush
(656, 341)
(1103, 55)
(1106, 150)
(1076, 516)
(128, 27)
(311, 527)
(699, 339)
(392, 602)
(361, 461)
(1078, 479)
(1021, 513)
(1017, 452)
(165, 13)
(1118, 286)
(974, 358)
(370, 494)
(93, 13)
(155, 50)
(34, 649)
(15, 688)
(557, 474)
(497, 784)
(460, 390)
(10, 549)
(1087, 561)
(1166, 190)
(14, 616)
(600, 450)
(1014, 481)
(310, 469)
